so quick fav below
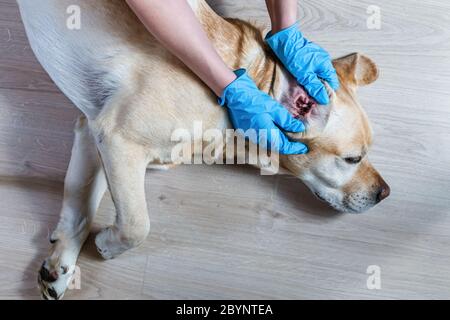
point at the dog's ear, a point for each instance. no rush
(315, 119)
(356, 70)
(315, 124)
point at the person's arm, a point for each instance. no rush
(283, 14)
(175, 26)
(305, 60)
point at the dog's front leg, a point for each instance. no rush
(85, 185)
(125, 164)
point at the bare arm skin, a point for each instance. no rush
(283, 13)
(185, 38)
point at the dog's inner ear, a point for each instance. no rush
(299, 102)
(356, 70)
(305, 108)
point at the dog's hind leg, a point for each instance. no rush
(85, 185)
(125, 164)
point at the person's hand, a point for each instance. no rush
(250, 108)
(306, 61)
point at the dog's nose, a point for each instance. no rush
(383, 192)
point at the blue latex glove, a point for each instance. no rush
(305, 60)
(250, 108)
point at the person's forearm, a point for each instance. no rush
(174, 24)
(283, 13)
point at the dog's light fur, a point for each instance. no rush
(134, 94)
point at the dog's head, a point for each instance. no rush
(339, 137)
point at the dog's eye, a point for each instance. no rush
(353, 160)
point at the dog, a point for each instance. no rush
(133, 94)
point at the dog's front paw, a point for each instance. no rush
(57, 271)
(54, 278)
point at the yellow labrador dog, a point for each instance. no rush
(134, 94)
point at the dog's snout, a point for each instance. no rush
(383, 192)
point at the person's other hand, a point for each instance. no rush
(306, 61)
